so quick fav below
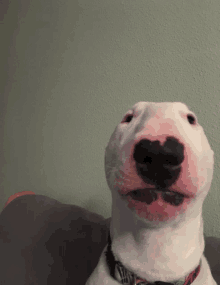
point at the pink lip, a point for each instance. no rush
(157, 190)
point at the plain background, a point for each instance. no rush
(71, 69)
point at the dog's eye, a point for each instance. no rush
(127, 118)
(191, 119)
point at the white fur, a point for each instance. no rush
(168, 243)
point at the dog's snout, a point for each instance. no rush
(171, 153)
(159, 165)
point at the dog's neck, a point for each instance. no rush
(166, 251)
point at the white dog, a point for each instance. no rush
(159, 168)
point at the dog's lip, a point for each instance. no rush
(164, 190)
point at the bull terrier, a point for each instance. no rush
(159, 168)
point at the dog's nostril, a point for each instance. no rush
(173, 151)
(171, 160)
(148, 159)
(142, 156)
(146, 151)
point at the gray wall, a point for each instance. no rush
(70, 69)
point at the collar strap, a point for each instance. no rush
(126, 277)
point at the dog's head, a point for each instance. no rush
(159, 161)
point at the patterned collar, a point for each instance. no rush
(126, 277)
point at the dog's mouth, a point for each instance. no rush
(151, 194)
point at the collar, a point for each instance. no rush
(126, 277)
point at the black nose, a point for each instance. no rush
(159, 165)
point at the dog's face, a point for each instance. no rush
(159, 161)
